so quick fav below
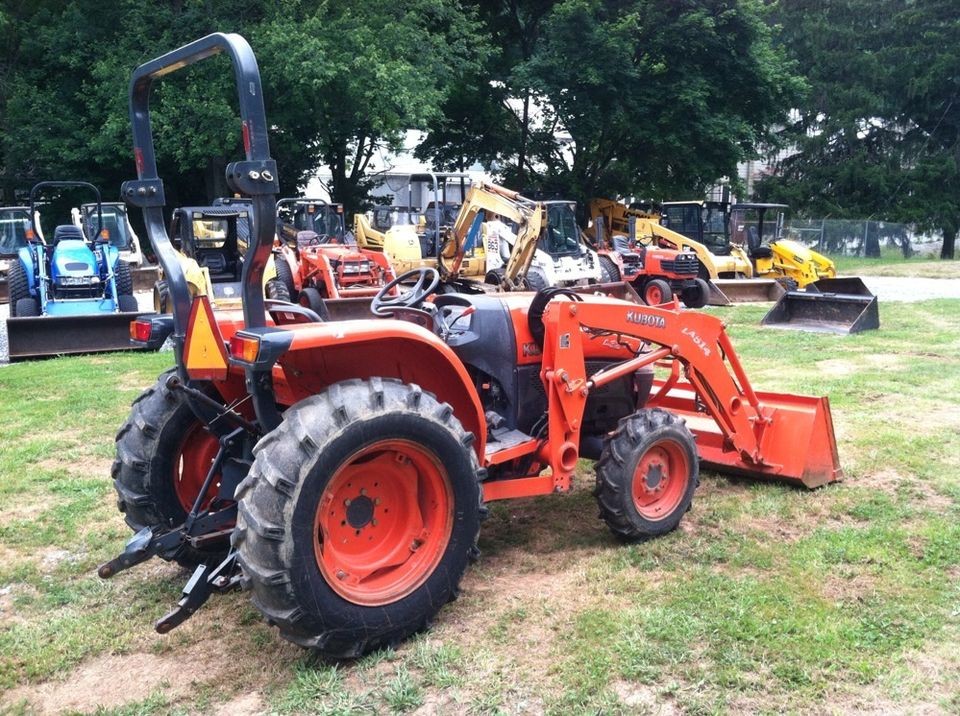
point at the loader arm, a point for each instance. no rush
(367, 237)
(738, 430)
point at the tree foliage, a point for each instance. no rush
(878, 134)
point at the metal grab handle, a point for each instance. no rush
(256, 177)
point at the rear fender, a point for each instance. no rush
(322, 354)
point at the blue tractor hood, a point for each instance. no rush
(73, 258)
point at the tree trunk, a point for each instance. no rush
(215, 178)
(949, 242)
(524, 133)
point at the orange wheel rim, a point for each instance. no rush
(654, 296)
(197, 453)
(383, 522)
(660, 480)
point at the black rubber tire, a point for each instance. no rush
(609, 271)
(311, 298)
(277, 503)
(535, 280)
(124, 279)
(25, 307)
(696, 296)
(789, 284)
(661, 285)
(161, 297)
(276, 291)
(285, 278)
(147, 447)
(128, 304)
(622, 451)
(494, 277)
(17, 285)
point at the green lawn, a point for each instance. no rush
(768, 599)
(892, 263)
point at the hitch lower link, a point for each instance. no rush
(202, 528)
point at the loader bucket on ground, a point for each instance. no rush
(46, 336)
(348, 309)
(747, 290)
(840, 313)
(145, 277)
(849, 285)
(617, 289)
(717, 297)
(798, 443)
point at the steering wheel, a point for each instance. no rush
(427, 280)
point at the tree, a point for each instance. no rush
(879, 132)
(632, 98)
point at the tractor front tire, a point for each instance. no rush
(788, 283)
(359, 516)
(277, 291)
(161, 297)
(609, 272)
(17, 285)
(26, 307)
(163, 455)
(124, 277)
(311, 298)
(646, 475)
(128, 304)
(285, 278)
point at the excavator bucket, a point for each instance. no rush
(725, 291)
(798, 443)
(47, 336)
(830, 305)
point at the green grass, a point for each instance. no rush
(892, 263)
(768, 599)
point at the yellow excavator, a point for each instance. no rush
(528, 244)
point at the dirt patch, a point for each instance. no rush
(27, 507)
(8, 596)
(842, 367)
(244, 705)
(640, 698)
(95, 684)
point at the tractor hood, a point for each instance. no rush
(795, 251)
(73, 258)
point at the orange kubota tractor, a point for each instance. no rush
(340, 471)
(317, 261)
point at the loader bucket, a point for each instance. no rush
(717, 297)
(618, 289)
(47, 336)
(849, 285)
(145, 277)
(747, 290)
(798, 444)
(840, 313)
(348, 309)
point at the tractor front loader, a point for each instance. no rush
(340, 471)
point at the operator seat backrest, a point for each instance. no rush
(67, 232)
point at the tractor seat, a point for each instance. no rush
(67, 232)
(622, 246)
(308, 238)
(761, 252)
(216, 263)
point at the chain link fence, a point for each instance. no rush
(849, 237)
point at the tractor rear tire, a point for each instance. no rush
(657, 292)
(609, 271)
(696, 296)
(535, 280)
(163, 454)
(276, 291)
(494, 277)
(26, 307)
(17, 285)
(788, 283)
(366, 472)
(646, 475)
(124, 279)
(285, 278)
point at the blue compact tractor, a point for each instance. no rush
(71, 294)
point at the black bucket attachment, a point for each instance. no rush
(725, 291)
(831, 305)
(144, 277)
(48, 336)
